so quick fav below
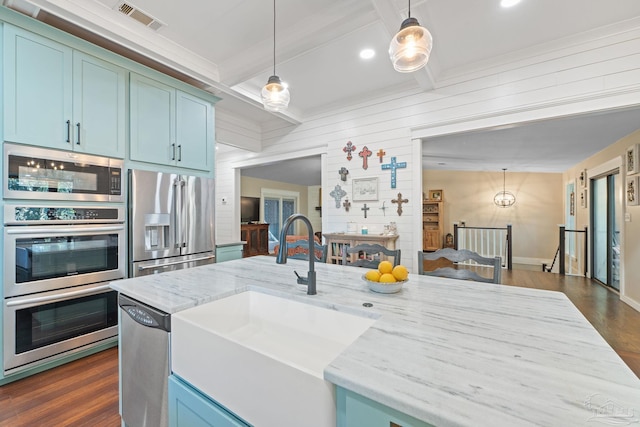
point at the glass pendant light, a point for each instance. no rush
(275, 95)
(411, 46)
(504, 198)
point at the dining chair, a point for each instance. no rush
(369, 255)
(300, 249)
(460, 271)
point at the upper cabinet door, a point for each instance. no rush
(99, 106)
(194, 132)
(37, 90)
(152, 121)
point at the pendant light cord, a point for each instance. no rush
(409, 9)
(274, 37)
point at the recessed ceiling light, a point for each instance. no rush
(367, 53)
(509, 3)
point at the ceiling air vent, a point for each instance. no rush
(139, 15)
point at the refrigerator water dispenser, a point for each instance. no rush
(156, 231)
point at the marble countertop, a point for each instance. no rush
(448, 352)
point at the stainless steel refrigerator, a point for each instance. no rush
(171, 222)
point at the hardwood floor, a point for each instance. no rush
(81, 393)
(85, 392)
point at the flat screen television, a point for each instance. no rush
(249, 209)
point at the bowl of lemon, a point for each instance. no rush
(387, 279)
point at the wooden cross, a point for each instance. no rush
(365, 154)
(400, 201)
(343, 173)
(337, 194)
(384, 209)
(365, 209)
(346, 204)
(381, 154)
(393, 166)
(348, 149)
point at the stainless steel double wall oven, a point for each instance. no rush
(64, 241)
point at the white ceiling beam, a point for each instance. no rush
(308, 34)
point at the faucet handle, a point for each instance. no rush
(301, 280)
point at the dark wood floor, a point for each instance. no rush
(85, 392)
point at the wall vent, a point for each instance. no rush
(139, 15)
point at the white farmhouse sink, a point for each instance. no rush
(263, 356)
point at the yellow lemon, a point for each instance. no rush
(385, 267)
(373, 275)
(387, 278)
(400, 272)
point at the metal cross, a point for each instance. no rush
(400, 201)
(393, 166)
(365, 154)
(337, 194)
(343, 173)
(348, 149)
(381, 154)
(346, 204)
(384, 208)
(365, 209)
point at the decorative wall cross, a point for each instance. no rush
(381, 154)
(348, 149)
(365, 209)
(393, 166)
(400, 201)
(343, 173)
(384, 208)
(365, 154)
(346, 204)
(337, 194)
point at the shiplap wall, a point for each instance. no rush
(573, 77)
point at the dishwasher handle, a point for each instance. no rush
(143, 314)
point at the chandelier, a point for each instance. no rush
(504, 198)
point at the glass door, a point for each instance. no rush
(277, 208)
(606, 229)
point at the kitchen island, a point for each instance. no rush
(447, 352)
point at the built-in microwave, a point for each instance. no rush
(44, 174)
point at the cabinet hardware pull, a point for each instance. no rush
(173, 151)
(68, 130)
(180, 152)
(168, 264)
(78, 140)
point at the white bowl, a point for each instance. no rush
(385, 288)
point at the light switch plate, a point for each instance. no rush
(627, 217)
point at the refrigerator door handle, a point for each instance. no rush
(177, 217)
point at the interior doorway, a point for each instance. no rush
(605, 223)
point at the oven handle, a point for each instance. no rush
(57, 230)
(57, 296)
(168, 264)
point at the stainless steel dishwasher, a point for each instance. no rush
(144, 363)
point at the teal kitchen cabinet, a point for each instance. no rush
(229, 252)
(168, 126)
(57, 97)
(355, 410)
(189, 407)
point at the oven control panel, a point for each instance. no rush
(55, 214)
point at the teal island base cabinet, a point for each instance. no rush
(355, 410)
(189, 407)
